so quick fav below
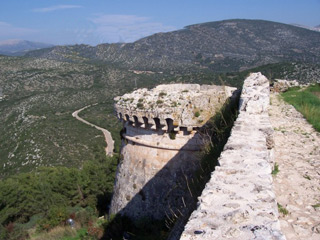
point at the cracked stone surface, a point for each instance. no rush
(239, 201)
(297, 184)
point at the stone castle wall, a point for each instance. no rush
(151, 176)
(161, 146)
(238, 202)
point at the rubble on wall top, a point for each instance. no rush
(186, 105)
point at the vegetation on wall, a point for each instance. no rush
(218, 129)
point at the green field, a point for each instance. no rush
(306, 101)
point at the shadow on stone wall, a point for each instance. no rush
(172, 193)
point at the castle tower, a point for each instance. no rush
(161, 146)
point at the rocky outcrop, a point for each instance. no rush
(238, 202)
(282, 85)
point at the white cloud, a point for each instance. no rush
(55, 8)
(9, 31)
(125, 28)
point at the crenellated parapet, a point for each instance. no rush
(172, 107)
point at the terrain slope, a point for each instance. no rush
(106, 133)
(229, 45)
(40, 91)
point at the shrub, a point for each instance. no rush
(56, 216)
(172, 135)
(140, 105)
(3, 232)
(282, 209)
(174, 104)
(94, 230)
(84, 216)
(162, 94)
(159, 101)
(197, 114)
(14, 232)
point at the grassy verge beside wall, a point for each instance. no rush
(306, 101)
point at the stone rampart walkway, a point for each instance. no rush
(297, 185)
(239, 202)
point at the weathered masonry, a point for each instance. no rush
(238, 202)
(160, 146)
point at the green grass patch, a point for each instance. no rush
(316, 205)
(282, 209)
(307, 102)
(275, 170)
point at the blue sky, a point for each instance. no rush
(101, 21)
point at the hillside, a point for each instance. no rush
(229, 45)
(38, 92)
(39, 95)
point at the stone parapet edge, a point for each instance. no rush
(239, 202)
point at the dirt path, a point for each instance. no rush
(106, 133)
(297, 185)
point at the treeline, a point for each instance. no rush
(48, 196)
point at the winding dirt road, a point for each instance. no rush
(106, 133)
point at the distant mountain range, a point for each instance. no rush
(16, 47)
(229, 45)
(315, 28)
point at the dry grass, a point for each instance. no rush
(59, 232)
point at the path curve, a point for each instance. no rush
(106, 133)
